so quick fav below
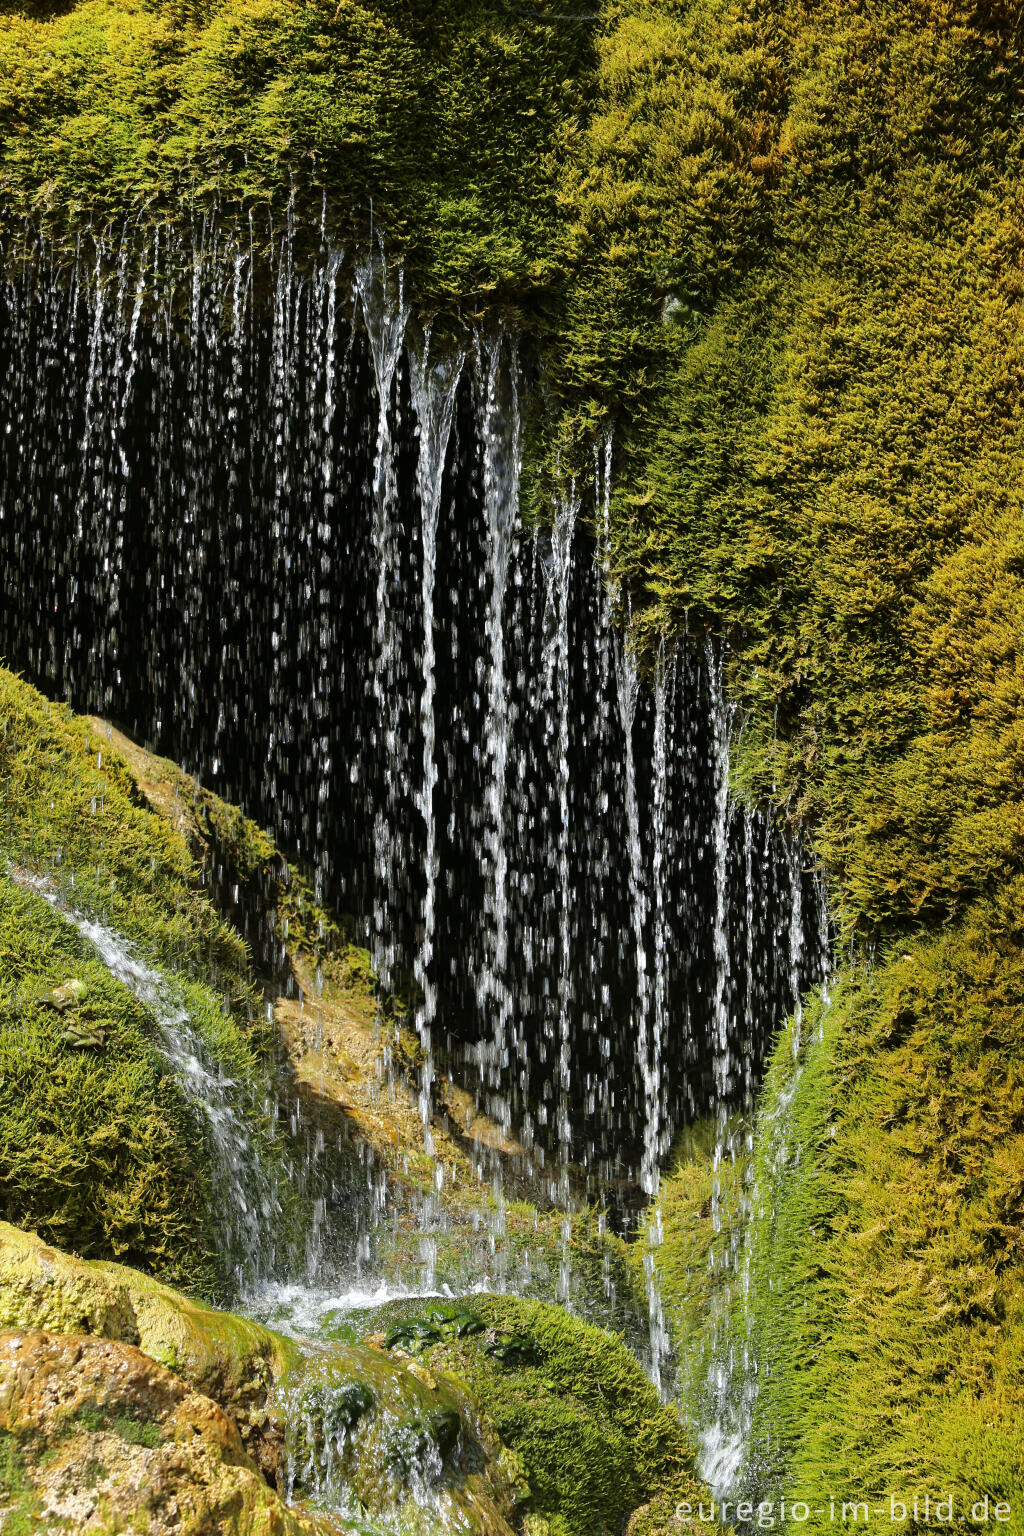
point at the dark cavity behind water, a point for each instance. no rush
(201, 507)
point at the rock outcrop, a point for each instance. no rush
(96, 1436)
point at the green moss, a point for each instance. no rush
(445, 118)
(72, 812)
(12, 1468)
(98, 1149)
(884, 1252)
(570, 1402)
(101, 1151)
(135, 1430)
(800, 282)
(20, 1505)
(820, 423)
(702, 1214)
(893, 1342)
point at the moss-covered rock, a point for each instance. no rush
(225, 1357)
(339, 1425)
(101, 1148)
(890, 1232)
(443, 119)
(588, 1438)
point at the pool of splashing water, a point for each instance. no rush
(310, 1312)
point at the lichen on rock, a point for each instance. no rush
(95, 1436)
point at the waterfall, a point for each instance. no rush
(502, 450)
(289, 509)
(434, 385)
(721, 726)
(627, 682)
(566, 513)
(385, 315)
(659, 1011)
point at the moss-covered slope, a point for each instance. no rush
(889, 1226)
(101, 1148)
(98, 1147)
(874, 1278)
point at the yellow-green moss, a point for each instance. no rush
(801, 260)
(72, 812)
(98, 1150)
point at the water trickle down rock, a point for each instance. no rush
(246, 1193)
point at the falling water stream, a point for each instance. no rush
(245, 1185)
(264, 517)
